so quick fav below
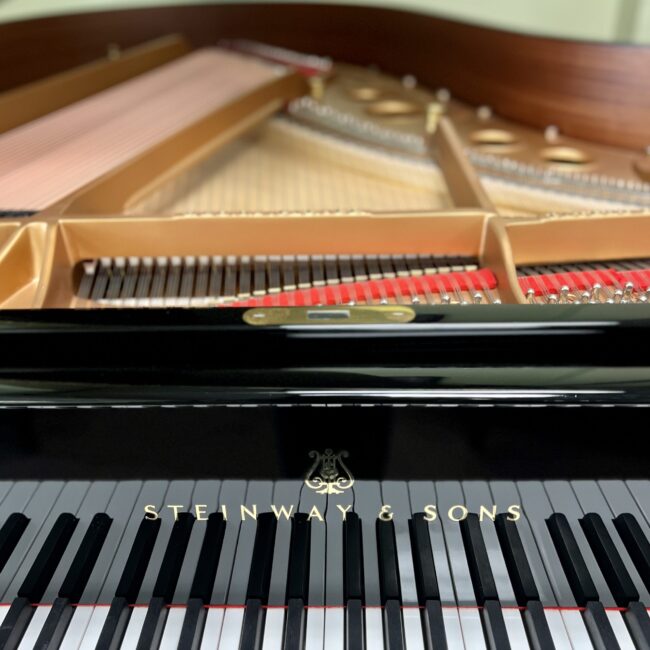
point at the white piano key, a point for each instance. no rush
(453, 629)
(413, 639)
(505, 494)
(179, 493)
(334, 638)
(641, 492)
(77, 629)
(564, 500)
(231, 496)
(172, 632)
(34, 628)
(134, 628)
(36, 507)
(94, 627)
(577, 631)
(152, 493)
(94, 501)
(557, 629)
(536, 509)
(335, 618)
(315, 629)
(5, 487)
(450, 495)
(273, 629)
(3, 612)
(423, 494)
(285, 494)
(515, 629)
(206, 493)
(620, 630)
(470, 620)
(593, 500)
(231, 629)
(395, 494)
(212, 630)
(367, 502)
(374, 628)
(477, 494)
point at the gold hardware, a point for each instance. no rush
(336, 315)
(317, 87)
(435, 111)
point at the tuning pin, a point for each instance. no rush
(553, 298)
(551, 133)
(409, 81)
(595, 293)
(477, 298)
(530, 295)
(564, 294)
(484, 113)
(443, 95)
(629, 289)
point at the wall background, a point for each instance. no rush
(601, 20)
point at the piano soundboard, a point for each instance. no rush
(262, 564)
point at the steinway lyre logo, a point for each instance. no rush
(328, 473)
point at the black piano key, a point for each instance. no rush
(638, 623)
(354, 633)
(478, 560)
(434, 626)
(48, 558)
(389, 585)
(298, 572)
(610, 562)
(387, 556)
(352, 557)
(599, 628)
(297, 582)
(495, 626)
(353, 581)
(172, 561)
(257, 592)
(201, 589)
(84, 560)
(163, 590)
(393, 628)
(129, 585)
(538, 629)
(262, 560)
(571, 559)
(138, 560)
(425, 570)
(10, 535)
(294, 629)
(636, 543)
(427, 583)
(521, 575)
(33, 587)
(206, 567)
(74, 583)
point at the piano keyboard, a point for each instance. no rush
(277, 565)
(618, 282)
(287, 280)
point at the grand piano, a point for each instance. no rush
(322, 327)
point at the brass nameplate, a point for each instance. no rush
(337, 315)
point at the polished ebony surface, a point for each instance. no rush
(500, 355)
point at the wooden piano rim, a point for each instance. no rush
(598, 92)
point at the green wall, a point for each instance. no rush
(603, 20)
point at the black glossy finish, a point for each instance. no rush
(504, 354)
